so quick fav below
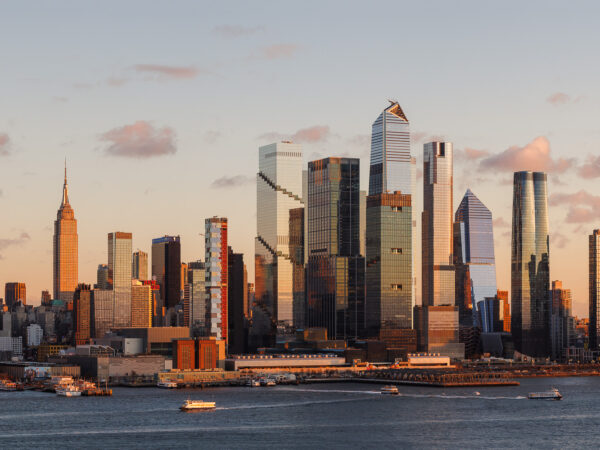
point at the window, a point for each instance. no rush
(397, 251)
(396, 287)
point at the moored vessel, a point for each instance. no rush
(68, 391)
(7, 385)
(253, 383)
(197, 405)
(552, 394)
(167, 384)
(390, 390)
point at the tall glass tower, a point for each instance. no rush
(65, 252)
(336, 270)
(215, 238)
(437, 248)
(166, 268)
(530, 275)
(119, 275)
(279, 190)
(474, 261)
(594, 279)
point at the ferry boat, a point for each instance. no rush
(68, 391)
(390, 390)
(197, 405)
(552, 394)
(167, 384)
(7, 385)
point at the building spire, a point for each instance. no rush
(65, 199)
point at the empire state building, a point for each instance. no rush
(65, 259)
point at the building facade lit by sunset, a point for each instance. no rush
(65, 249)
(215, 237)
(139, 268)
(594, 289)
(530, 271)
(336, 271)
(119, 273)
(474, 261)
(279, 189)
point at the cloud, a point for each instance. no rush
(140, 140)
(211, 137)
(470, 154)
(534, 156)
(583, 206)
(500, 223)
(424, 137)
(558, 98)
(360, 140)
(168, 72)
(234, 31)
(559, 239)
(14, 242)
(591, 167)
(310, 135)
(116, 81)
(226, 182)
(279, 51)
(5, 144)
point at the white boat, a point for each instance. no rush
(167, 384)
(197, 405)
(7, 385)
(390, 390)
(68, 391)
(477, 393)
(253, 383)
(552, 394)
(270, 382)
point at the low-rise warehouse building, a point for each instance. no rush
(283, 361)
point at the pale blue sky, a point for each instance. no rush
(476, 73)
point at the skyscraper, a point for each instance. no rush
(237, 299)
(474, 261)
(82, 314)
(279, 189)
(530, 277)
(594, 286)
(298, 268)
(102, 277)
(65, 256)
(141, 304)
(119, 276)
(215, 236)
(166, 268)
(561, 322)
(437, 246)
(335, 273)
(13, 292)
(196, 296)
(389, 301)
(139, 267)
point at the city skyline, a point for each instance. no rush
(454, 104)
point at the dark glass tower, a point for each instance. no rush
(335, 274)
(474, 262)
(530, 277)
(237, 302)
(166, 268)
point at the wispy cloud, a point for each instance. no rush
(558, 98)
(164, 72)
(235, 31)
(278, 51)
(591, 167)
(13, 242)
(212, 136)
(139, 140)
(311, 135)
(500, 223)
(470, 154)
(559, 239)
(419, 137)
(226, 182)
(116, 81)
(583, 206)
(5, 145)
(534, 156)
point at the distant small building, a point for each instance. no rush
(34, 335)
(283, 361)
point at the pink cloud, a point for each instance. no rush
(116, 82)
(279, 51)
(168, 72)
(470, 154)
(139, 140)
(591, 167)
(500, 223)
(5, 145)
(311, 135)
(534, 156)
(583, 206)
(558, 98)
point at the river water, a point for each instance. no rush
(336, 415)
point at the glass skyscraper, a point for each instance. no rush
(335, 273)
(279, 189)
(166, 268)
(389, 301)
(474, 262)
(594, 285)
(65, 250)
(119, 276)
(196, 296)
(215, 238)
(140, 265)
(530, 254)
(437, 226)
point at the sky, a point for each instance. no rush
(160, 107)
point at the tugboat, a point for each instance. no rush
(197, 405)
(552, 394)
(390, 390)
